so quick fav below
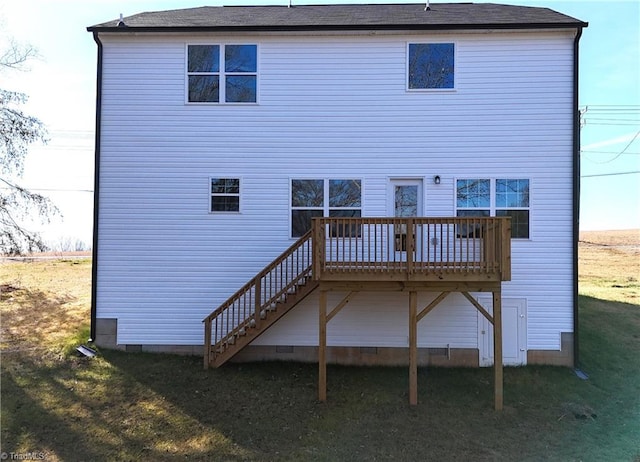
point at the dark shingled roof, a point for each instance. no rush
(344, 17)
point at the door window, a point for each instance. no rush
(407, 202)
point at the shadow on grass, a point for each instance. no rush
(83, 409)
(28, 316)
(144, 406)
(32, 417)
(270, 410)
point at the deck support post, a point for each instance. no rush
(322, 348)
(257, 302)
(207, 343)
(497, 349)
(413, 348)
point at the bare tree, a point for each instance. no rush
(17, 131)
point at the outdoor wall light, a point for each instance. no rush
(436, 179)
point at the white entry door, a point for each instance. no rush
(514, 332)
(405, 200)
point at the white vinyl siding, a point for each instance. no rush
(329, 106)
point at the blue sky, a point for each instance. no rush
(61, 87)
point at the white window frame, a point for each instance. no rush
(222, 75)
(455, 67)
(326, 208)
(238, 195)
(492, 198)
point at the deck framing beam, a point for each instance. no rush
(415, 316)
(427, 309)
(478, 306)
(341, 305)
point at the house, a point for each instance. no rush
(405, 167)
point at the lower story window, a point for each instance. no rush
(483, 197)
(225, 195)
(323, 197)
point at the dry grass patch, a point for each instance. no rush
(42, 304)
(609, 265)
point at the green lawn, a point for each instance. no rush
(162, 407)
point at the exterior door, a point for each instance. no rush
(405, 201)
(514, 332)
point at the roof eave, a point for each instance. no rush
(356, 27)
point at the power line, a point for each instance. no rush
(615, 124)
(617, 154)
(610, 174)
(52, 189)
(588, 151)
(608, 119)
(627, 146)
(602, 108)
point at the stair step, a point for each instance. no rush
(241, 335)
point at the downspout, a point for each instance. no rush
(576, 198)
(96, 192)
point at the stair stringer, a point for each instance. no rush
(253, 332)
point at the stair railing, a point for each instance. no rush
(250, 305)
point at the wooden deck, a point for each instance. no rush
(412, 249)
(451, 254)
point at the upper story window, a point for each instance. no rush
(431, 66)
(225, 195)
(222, 73)
(481, 197)
(323, 197)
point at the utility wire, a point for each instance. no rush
(610, 174)
(52, 189)
(627, 146)
(588, 151)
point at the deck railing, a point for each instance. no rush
(413, 248)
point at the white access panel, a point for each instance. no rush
(514, 332)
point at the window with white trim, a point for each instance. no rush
(225, 195)
(502, 197)
(430, 66)
(323, 197)
(222, 73)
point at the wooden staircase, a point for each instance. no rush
(374, 253)
(260, 303)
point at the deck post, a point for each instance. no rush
(505, 250)
(258, 302)
(413, 348)
(322, 347)
(317, 247)
(497, 349)
(207, 343)
(410, 244)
